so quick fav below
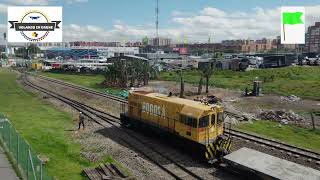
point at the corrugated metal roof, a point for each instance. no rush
(137, 57)
(161, 56)
(58, 49)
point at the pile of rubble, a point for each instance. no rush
(281, 116)
(291, 98)
(209, 99)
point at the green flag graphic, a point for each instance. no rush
(292, 18)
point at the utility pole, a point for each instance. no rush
(6, 42)
(157, 31)
(312, 120)
(209, 39)
(157, 21)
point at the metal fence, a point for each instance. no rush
(26, 160)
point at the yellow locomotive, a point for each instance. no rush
(197, 126)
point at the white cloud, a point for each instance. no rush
(29, 2)
(255, 24)
(176, 13)
(3, 8)
(181, 13)
(76, 1)
(118, 32)
(214, 12)
(94, 28)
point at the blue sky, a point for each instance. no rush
(195, 19)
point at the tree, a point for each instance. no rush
(133, 71)
(33, 49)
(145, 72)
(207, 74)
(123, 79)
(116, 75)
(132, 74)
(145, 41)
(200, 82)
(181, 77)
(154, 72)
(110, 75)
(3, 49)
(23, 52)
(139, 70)
(3, 56)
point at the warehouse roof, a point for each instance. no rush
(137, 57)
(160, 56)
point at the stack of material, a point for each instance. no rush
(281, 116)
(291, 98)
(209, 99)
(105, 172)
(213, 99)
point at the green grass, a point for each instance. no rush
(302, 137)
(85, 80)
(300, 81)
(44, 127)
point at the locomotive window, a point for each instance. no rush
(204, 121)
(213, 118)
(188, 121)
(220, 118)
(194, 123)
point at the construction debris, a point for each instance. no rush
(281, 116)
(291, 98)
(231, 120)
(213, 99)
(248, 116)
(209, 99)
(106, 171)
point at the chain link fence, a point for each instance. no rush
(25, 159)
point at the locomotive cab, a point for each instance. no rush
(192, 123)
(202, 126)
(206, 128)
(210, 126)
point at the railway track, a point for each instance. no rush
(253, 138)
(109, 96)
(276, 145)
(141, 144)
(306, 153)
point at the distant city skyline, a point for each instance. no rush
(194, 20)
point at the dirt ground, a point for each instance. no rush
(98, 142)
(96, 145)
(235, 102)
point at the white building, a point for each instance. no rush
(101, 51)
(113, 51)
(159, 41)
